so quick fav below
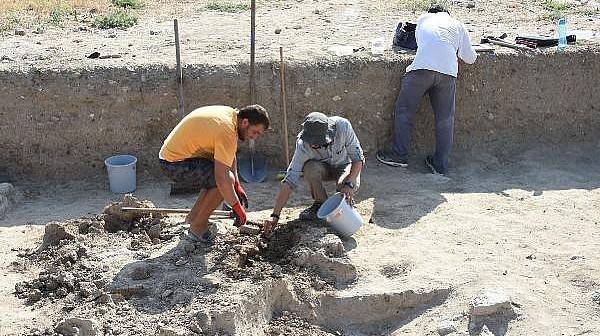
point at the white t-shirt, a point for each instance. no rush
(440, 40)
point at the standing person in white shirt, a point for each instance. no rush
(442, 42)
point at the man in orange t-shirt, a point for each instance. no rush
(201, 150)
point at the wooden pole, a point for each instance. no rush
(172, 210)
(252, 50)
(284, 105)
(179, 70)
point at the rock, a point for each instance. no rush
(170, 331)
(34, 295)
(141, 272)
(210, 280)
(55, 232)
(51, 284)
(71, 257)
(154, 32)
(95, 54)
(332, 245)
(75, 326)
(19, 288)
(336, 98)
(154, 231)
(446, 327)
(105, 299)
(110, 56)
(87, 289)
(19, 32)
(181, 262)
(7, 190)
(485, 331)
(82, 252)
(166, 294)
(118, 220)
(596, 297)
(277, 30)
(7, 59)
(277, 271)
(489, 302)
(194, 327)
(339, 269)
(67, 280)
(62, 292)
(471, 5)
(251, 230)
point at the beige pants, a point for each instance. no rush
(315, 173)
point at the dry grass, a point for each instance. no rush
(41, 7)
(38, 13)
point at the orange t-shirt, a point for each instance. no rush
(208, 132)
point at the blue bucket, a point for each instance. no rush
(121, 173)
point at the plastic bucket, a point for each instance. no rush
(121, 173)
(342, 217)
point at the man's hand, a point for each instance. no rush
(348, 190)
(269, 224)
(241, 194)
(239, 214)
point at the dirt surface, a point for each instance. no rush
(306, 30)
(497, 248)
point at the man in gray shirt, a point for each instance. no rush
(327, 149)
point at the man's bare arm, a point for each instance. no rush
(225, 179)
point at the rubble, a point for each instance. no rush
(55, 232)
(118, 220)
(239, 284)
(7, 198)
(489, 302)
(75, 326)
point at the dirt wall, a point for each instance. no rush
(63, 124)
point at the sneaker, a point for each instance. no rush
(429, 164)
(390, 158)
(208, 237)
(310, 213)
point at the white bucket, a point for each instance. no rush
(121, 173)
(342, 217)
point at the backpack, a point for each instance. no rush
(405, 36)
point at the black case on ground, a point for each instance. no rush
(405, 36)
(543, 41)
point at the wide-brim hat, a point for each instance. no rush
(317, 129)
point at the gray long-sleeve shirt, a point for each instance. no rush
(344, 149)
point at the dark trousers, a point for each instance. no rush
(441, 89)
(315, 173)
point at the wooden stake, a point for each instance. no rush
(173, 210)
(252, 50)
(284, 105)
(179, 70)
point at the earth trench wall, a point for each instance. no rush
(62, 124)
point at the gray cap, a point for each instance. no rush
(317, 129)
